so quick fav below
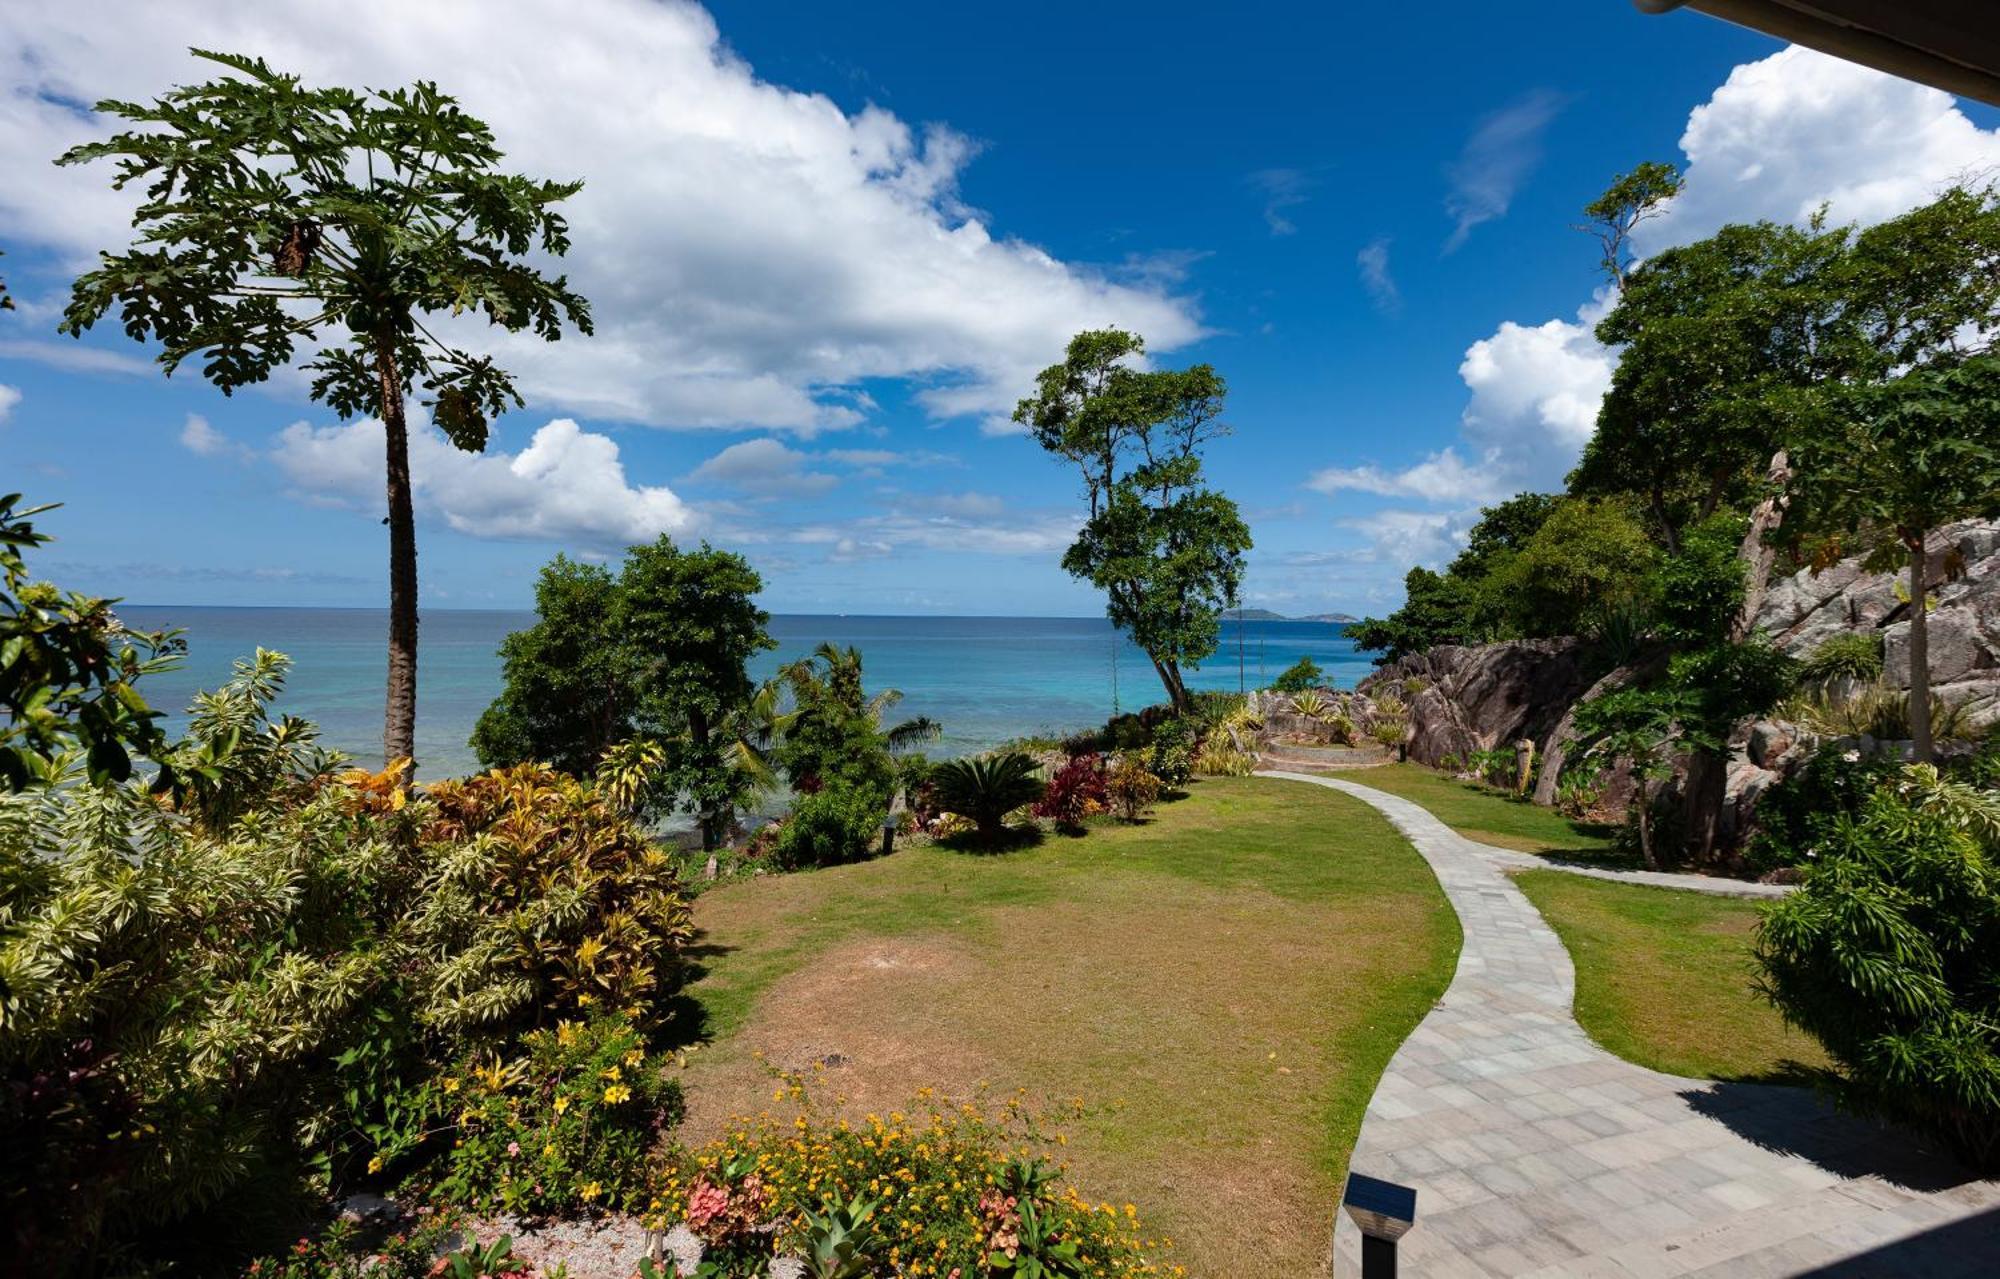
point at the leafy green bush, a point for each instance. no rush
(567, 1124)
(1889, 953)
(951, 1185)
(68, 668)
(1132, 787)
(987, 788)
(1299, 676)
(201, 996)
(828, 828)
(1883, 713)
(1173, 756)
(1798, 815)
(352, 1250)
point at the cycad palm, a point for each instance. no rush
(986, 790)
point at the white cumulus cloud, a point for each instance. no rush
(1779, 139)
(567, 485)
(753, 252)
(199, 437)
(764, 466)
(9, 397)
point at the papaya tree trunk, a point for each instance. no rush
(399, 722)
(1920, 653)
(1645, 814)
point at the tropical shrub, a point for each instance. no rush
(1854, 656)
(202, 996)
(1075, 791)
(1132, 787)
(828, 828)
(1883, 713)
(1173, 756)
(1889, 953)
(67, 671)
(569, 1123)
(554, 904)
(986, 789)
(1299, 676)
(1580, 788)
(944, 1190)
(1799, 814)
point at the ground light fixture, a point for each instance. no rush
(1385, 1212)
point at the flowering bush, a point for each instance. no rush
(572, 1123)
(1796, 817)
(939, 1192)
(1175, 744)
(1075, 792)
(1133, 787)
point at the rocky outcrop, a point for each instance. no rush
(1474, 698)
(1805, 610)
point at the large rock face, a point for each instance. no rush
(1803, 611)
(1477, 698)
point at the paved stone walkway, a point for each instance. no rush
(1534, 1152)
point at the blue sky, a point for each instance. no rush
(829, 245)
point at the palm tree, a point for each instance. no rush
(986, 790)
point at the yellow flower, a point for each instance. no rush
(591, 1191)
(565, 1032)
(585, 1000)
(634, 1057)
(612, 1073)
(562, 1104)
(617, 1093)
(375, 1164)
(450, 1084)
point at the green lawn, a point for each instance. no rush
(1222, 986)
(1664, 978)
(1491, 816)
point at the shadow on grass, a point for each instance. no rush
(1014, 840)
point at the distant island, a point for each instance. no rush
(1266, 615)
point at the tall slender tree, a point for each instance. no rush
(1165, 548)
(276, 216)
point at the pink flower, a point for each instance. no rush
(513, 1148)
(705, 1203)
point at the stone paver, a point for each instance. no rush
(1534, 1152)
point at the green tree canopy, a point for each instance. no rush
(275, 216)
(1166, 549)
(658, 654)
(569, 689)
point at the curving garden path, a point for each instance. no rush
(1535, 1152)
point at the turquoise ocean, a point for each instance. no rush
(985, 679)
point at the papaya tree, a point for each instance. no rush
(280, 221)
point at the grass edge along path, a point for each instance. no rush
(1494, 817)
(1223, 986)
(1664, 979)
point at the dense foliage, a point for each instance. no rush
(67, 671)
(657, 654)
(210, 996)
(275, 216)
(1889, 952)
(1166, 549)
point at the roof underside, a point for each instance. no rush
(1952, 44)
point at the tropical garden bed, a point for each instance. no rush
(1221, 987)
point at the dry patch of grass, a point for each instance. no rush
(1491, 816)
(1221, 987)
(1664, 978)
